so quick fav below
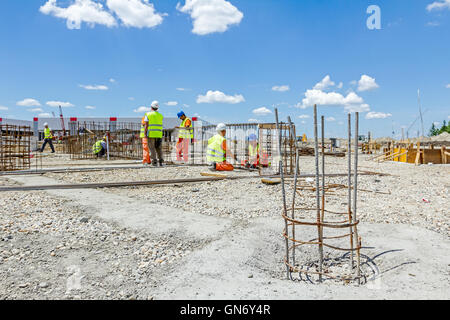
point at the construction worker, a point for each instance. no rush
(216, 154)
(154, 128)
(184, 138)
(99, 148)
(48, 138)
(145, 150)
(253, 151)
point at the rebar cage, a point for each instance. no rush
(15, 150)
(336, 229)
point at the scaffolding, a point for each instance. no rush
(336, 238)
(15, 147)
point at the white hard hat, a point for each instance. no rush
(221, 127)
(45, 124)
(155, 104)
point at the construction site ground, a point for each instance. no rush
(213, 240)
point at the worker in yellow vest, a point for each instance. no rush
(186, 135)
(100, 148)
(154, 128)
(253, 151)
(48, 138)
(144, 138)
(216, 154)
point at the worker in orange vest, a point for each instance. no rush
(145, 150)
(186, 135)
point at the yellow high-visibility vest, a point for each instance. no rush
(215, 151)
(47, 133)
(186, 132)
(155, 124)
(143, 128)
(253, 151)
(97, 147)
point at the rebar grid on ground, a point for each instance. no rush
(15, 150)
(333, 226)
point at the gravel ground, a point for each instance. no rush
(409, 195)
(49, 246)
(51, 250)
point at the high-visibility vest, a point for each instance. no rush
(253, 151)
(47, 133)
(143, 128)
(97, 147)
(155, 124)
(215, 151)
(186, 133)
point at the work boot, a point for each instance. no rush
(161, 163)
(154, 164)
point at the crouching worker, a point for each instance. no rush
(216, 155)
(99, 148)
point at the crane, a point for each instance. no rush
(62, 121)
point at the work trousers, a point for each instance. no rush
(155, 146)
(145, 151)
(183, 149)
(101, 153)
(50, 142)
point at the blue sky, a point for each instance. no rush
(240, 51)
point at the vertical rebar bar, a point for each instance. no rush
(323, 170)
(283, 192)
(319, 222)
(294, 191)
(349, 204)
(355, 192)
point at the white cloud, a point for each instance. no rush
(136, 13)
(2, 108)
(94, 87)
(378, 115)
(448, 86)
(219, 97)
(281, 88)
(59, 103)
(304, 116)
(357, 108)
(142, 109)
(340, 85)
(131, 98)
(186, 106)
(182, 89)
(367, 83)
(330, 119)
(171, 103)
(262, 111)
(211, 16)
(433, 24)
(35, 110)
(112, 80)
(439, 5)
(28, 103)
(44, 115)
(253, 120)
(319, 97)
(78, 12)
(324, 84)
(90, 107)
